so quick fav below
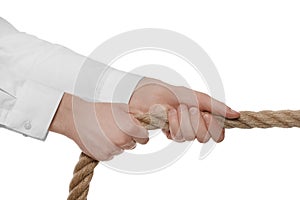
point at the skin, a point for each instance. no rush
(105, 130)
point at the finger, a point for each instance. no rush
(100, 156)
(117, 152)
(109, 158)
(214, 128)
(130, 145)
(141, 140)
(128, 124)
(186, 128)
(199, 125)
(167, 133)
(209, 104)
(174, 125)
(103, 152)
(206, 138)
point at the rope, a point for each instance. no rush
(82, 176)
(84, 169)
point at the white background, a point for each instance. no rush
(255, 46)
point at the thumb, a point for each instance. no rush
(128, 124)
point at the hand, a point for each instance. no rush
(190, 113)
(101, 130)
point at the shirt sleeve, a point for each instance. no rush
(26, 106)
(63, 69)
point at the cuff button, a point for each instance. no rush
(27, 125)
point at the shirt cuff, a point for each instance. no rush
(34, 108)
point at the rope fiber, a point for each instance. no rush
(84, 169)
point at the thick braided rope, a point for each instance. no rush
(84, 169)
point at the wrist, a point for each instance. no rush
(63, 120)
(64, 123)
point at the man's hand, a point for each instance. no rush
(190, 113)
(101, 130)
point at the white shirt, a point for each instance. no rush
(34, 74)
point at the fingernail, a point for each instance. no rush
(233, 111)
(194, 110)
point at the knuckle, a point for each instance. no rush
(200, 139)
(218, 136)
(143, 141)
(117, 152)
(203, 138)
(109, 157)
(221, 138)
(179, 139)
(189, 138)
(207, 137)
